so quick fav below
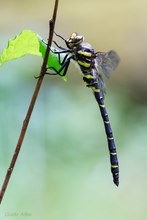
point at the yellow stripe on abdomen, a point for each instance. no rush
(113, 153)
(103, 106)
(88, 76)
(84, 53)
(110, 138)
(87, 65)
(106, 122)
(114, 166)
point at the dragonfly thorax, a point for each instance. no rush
(85, 56)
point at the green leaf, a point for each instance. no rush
(24, 43)
(28, 42)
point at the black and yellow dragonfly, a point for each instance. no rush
(92, 65)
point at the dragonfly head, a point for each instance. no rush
(74, 40)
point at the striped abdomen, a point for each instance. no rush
(85, 59)
(92, 83)
(110, 138)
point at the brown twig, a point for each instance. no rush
(32, 103)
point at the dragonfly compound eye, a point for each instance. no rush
(74, 40)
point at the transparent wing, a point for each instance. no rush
(107, 61)
(102, 85)
(100, 81)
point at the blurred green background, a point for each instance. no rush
(63, 170)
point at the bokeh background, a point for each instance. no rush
(63, 170)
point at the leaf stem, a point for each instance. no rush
(32, 103)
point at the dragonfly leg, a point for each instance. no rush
(58, 35)
(59, 57)
(64, 67)
(61, 48)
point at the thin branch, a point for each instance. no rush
(32, 103)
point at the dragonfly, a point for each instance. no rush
(92, 65)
